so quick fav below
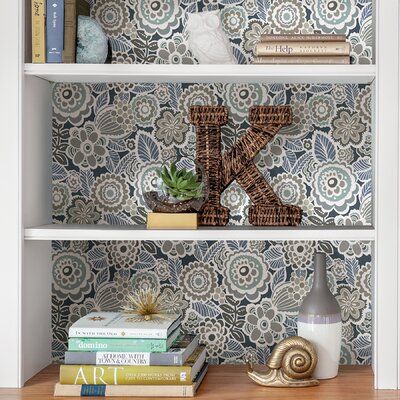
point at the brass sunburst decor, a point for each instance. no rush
(145, 305)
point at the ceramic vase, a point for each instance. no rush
(320, 321)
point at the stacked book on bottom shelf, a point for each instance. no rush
(115, 354)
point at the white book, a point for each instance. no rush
(120, 325)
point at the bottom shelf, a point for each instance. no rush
(230, 382)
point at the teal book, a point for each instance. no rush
(123, 345)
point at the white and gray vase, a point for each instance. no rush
(320, 322)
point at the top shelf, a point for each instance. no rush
(92, 73)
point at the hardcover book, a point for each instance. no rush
(55, 30)
(72, 9)
(177, 355)
(134, 375)
(133, 390)
(303, 38)
(303, 49)
(121, 345)
(38, 31)
(172, 220)
(116, 324)
(302, 60)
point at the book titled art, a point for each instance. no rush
(133, 374)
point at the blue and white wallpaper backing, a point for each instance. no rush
(108, 140)
(240, 297)
(154, 31)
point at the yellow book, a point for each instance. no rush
(133, 374)
(172, 221)
(38, 31)
(132, 390)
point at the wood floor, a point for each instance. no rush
(231, 383)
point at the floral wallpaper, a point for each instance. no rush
(240, 297)
(109, 139)
(154, 31)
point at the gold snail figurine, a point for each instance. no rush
(291, 365)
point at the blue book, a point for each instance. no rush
(55, 31)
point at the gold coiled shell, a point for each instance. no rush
(291, 364)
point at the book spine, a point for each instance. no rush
(157, 220)
(55, 30)
(105, 332)
(38, 31)
(124, 375)
(303, 49)
(302, 60)
(122, 358)
(72, 9)
(303, 38)
(69, 31)
(122, 345)
(124, 391)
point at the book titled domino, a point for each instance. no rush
(177, 354)
(55, 31)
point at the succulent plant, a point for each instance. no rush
(181, 184)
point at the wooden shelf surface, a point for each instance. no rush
(202, 73)
(230, 382)
(139, 232)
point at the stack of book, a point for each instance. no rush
(302, 49)
(54, 27)
(116, 354)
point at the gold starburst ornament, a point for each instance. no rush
(145, 305)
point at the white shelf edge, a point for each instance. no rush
(92, 73)
(107, 232)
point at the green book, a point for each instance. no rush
(123, 345)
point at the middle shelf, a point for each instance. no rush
(139, 232)
(202, 73)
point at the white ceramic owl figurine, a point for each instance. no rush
(207, 40)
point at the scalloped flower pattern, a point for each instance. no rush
(154, 31)
(240, 297)
(109, 139)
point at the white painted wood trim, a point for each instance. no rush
(387, 196)
(107, 232)
(202, 73)
(386, 330)
(11, 230)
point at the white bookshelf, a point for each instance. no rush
(109, 232)
(203, 73)
(26, 230)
